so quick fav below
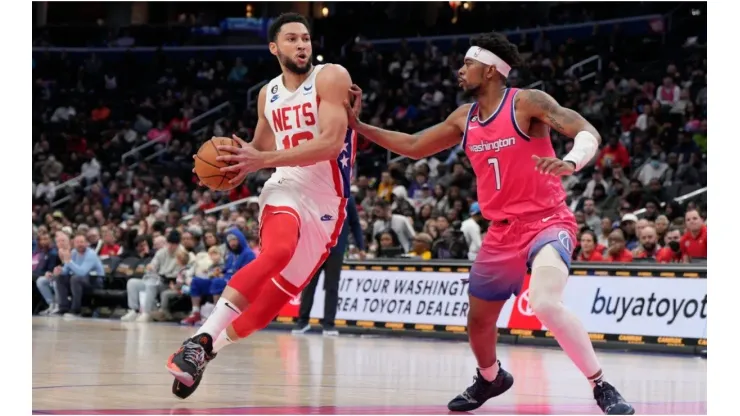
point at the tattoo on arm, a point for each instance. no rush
(545, 108)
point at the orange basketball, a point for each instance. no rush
(208, 168)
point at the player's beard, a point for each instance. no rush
(471, 93)
(293, 67)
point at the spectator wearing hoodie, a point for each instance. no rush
(238, 255)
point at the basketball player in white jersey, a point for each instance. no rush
(302, 131)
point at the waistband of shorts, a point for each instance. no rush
(531, 217)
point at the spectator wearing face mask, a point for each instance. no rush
(671, 253)
(694, 240)
(617, 251)
(654, 168)
(648, 248)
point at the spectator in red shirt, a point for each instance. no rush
(589, 251)
(614, 153)
(671, 253)
(648, 248)
(694, 240)
(110, 248)
(617, 252)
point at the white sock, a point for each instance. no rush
(196, 308)
(222, 341)
(489, 373)
(222, 316)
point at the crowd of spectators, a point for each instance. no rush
(149, 220)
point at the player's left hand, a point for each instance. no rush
(247, 158)
(552, 166)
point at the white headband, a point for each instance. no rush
(489, 58)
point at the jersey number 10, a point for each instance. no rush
(295, 140)
(496, 171)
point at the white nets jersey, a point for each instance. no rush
(294, 118)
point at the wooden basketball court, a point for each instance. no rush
(89, 366)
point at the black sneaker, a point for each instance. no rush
(481, 390)
(610, 401)
(189, 362)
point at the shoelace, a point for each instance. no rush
(475, 388)
(195, 355)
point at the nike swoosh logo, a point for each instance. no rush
(546, 219)
(228, 305)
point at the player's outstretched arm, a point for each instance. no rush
(422, 144)
(332, 84)
(540, 105)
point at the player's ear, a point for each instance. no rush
(273, 48)
(491, 71)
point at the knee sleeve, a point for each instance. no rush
(549, 276)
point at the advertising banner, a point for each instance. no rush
(646, 306)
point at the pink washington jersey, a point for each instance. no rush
(501, 156)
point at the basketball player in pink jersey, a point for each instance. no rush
(506, 136)
(302, 204)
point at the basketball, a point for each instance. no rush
(208, 168)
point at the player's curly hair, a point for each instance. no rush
(283, 19)
(499, 45)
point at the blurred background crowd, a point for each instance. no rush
(115, 128)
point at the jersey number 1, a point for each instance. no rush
(496, 171)
(295, 140)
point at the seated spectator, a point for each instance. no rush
(589, 252)
(628, 225)
(175, 290)
(387, 245)
(45, 258)
(648, 247)
(398, 223)
(590, 216)
(109, 248)
(694, 240)
(81, 270)
(421, 247)
(661, 227)
(617, 251)
(191, 242)
(671, 253)
(209, 280)
(606, 229)
(93, 239)
(164, 264)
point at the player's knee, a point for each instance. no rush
(543, 303)
(279, 252)
(479, 320)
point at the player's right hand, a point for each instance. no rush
(355, 108)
